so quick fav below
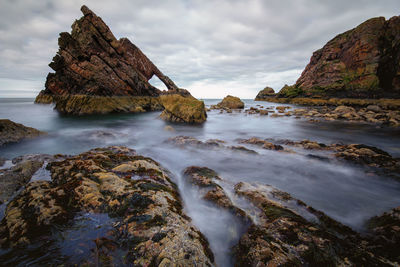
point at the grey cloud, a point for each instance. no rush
(209, 47)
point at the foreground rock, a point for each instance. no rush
(183, 109)
(284, 230)
(229, 102)
(361, 63)
(385, 234)
(95, 73)
(291, 233)
(150, 226)
(264, 93)
(205, 179)
(11, 132)
(14, 178)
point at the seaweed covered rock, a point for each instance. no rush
(264, 93)
(93, 63)
(183, 109)
(150, 227)
(385, 234)
(284, 237)
(84, 104)
(230, 102)
(363, 62)
(204, 178)
(14, 178)
(11, 132)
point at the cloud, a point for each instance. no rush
(212, 48)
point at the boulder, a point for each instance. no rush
(265, 93)
(11, 132)
(230, 102)
(183, 109)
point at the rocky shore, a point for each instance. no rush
(150, 226)
(384, 115)
(286, 231)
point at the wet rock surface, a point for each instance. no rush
(286, 231)
(291, 233)
(189, 141)
(85, 105)
(385, 234)
(183, 109)
(17, 176)
(204, 178)
(374, 159)
(149, 225)
(11, 132)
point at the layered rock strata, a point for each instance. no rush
(95, 73)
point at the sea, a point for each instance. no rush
(341, 190)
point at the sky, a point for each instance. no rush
(210, 47)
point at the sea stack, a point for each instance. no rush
(361, 63)
(96, 73)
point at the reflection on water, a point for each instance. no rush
(344, 192)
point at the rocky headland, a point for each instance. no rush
(357, 68)
(95, 73)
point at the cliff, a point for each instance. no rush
(360, 63)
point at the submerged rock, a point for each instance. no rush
(230, 102)
(188, 141)
(263, 143)
(183, 109)
(11, 132)
(150, 224)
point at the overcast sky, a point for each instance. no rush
(211, 47)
